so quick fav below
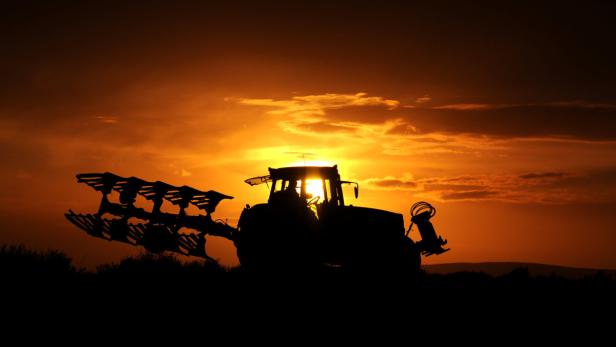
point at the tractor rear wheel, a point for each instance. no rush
(271, 239)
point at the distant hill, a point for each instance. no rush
(503, 268)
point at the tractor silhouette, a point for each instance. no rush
(304, 224)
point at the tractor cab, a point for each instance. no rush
(306, 199)
(317, 187)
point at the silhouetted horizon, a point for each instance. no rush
(492, 268)
(501, 116)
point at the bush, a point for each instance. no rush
(18, 261)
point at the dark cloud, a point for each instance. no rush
(407, 129)
(591, 187)
(594, 182)
(575, 119)
(540, 175)
(569, 119)
(391, 183)
(566, 120)
(451, 187)
(470, 195)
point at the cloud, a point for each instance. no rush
(495, 187)
(317, 105)
(563, 119)
(423, 99)
(327, 101)
(540, 175)
(464, 107)
(578, 104)
(479, 137)
(443, 186)
(336, 113)
(470, 195)
(402, 128)
(531, 188)
(107, 119)
(582, 104)
(311, 114)
(391, 183)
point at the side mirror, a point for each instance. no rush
(355, 189)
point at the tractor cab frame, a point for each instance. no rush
(305, 180)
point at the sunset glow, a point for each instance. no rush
(505, 120)
(315, 189)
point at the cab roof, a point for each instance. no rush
(296, 172)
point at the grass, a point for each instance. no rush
(19, 265)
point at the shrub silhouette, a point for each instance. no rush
(166, 271)
(159, 265)
(19, 261)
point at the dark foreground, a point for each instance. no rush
(20, 266)
(44, 289)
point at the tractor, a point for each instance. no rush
(305, 223)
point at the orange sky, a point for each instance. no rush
(504, 118)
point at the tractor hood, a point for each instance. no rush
(375, 213)
(372, 220)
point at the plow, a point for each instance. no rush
(304, 223)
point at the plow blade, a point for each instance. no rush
(154, 230)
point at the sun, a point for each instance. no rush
(314, 188)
